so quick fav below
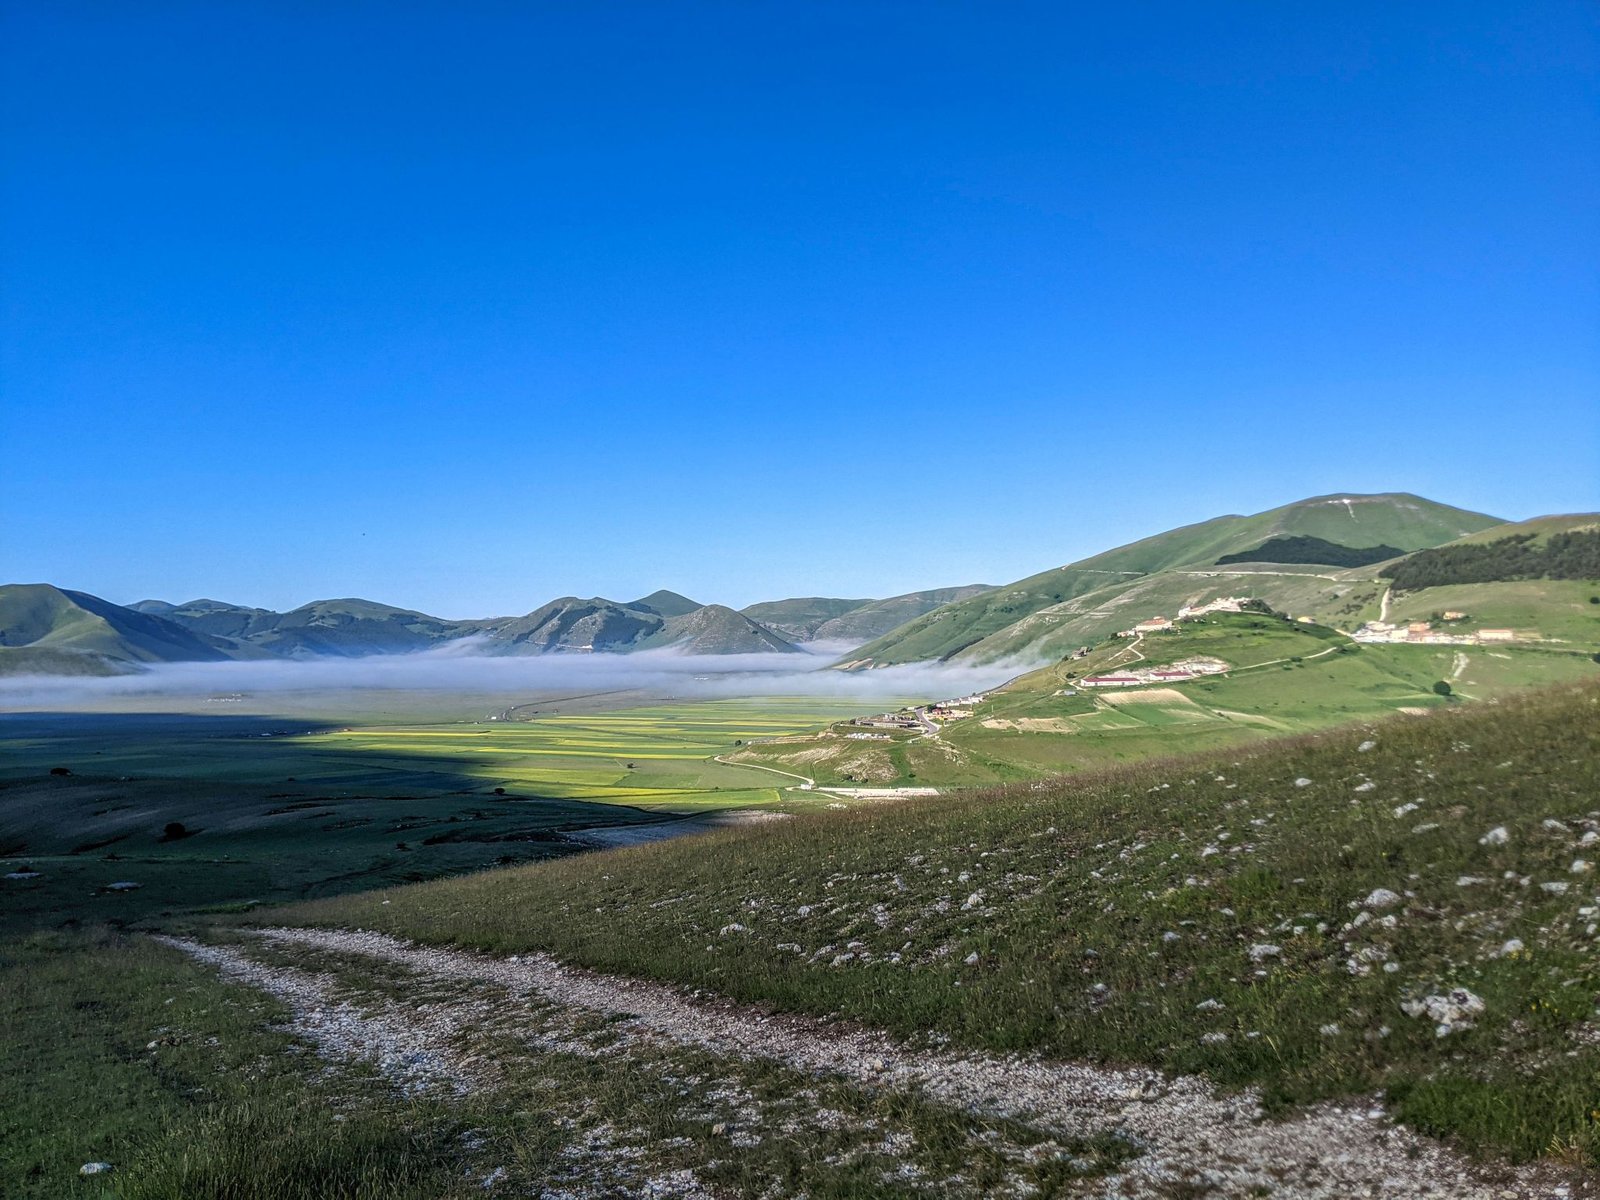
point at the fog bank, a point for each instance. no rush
(457, 668)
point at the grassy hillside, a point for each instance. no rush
(827, 619)
(878, 617)
(715, 629)
(799, 618)
(968, 629)
(1295, 916)
(1282, 677)
(1563, 610)
(668, 604)
(60, 626)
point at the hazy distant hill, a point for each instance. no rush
(568, 623)
(668, 604)
(714, 629)
(799, 618)
(46, 629)
(827, 619)
(1050, 613)
(347, 627)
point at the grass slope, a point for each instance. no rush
(190, 1090)
(965, 629)
(1219, 914)
(1284, 677)
(52, 622)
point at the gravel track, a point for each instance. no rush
(1188, 1134)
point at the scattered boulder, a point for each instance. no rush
(63, 771)
(1262, 951)
(1382, 898)
(96, 1168)
(123, 885)
(1498, 836)
(1449, 1011)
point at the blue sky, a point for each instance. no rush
(462, 306)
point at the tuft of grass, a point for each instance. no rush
(251, 1152)
(120, 1050)
(1122, 916)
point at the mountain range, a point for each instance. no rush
(1337, 560)
(50, 630)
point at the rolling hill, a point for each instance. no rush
(825, 619)
(1051, 613)
(45, 629)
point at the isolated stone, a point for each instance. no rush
(1498, 836)
(95, 1168)
(1382, 898)
(1449, 1011)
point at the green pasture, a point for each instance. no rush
(273, 808)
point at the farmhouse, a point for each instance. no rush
(1111, 681)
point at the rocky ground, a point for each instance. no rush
(941, 1122)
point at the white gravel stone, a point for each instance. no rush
(1182, 1126)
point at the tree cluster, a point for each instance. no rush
(1571, 555)
(1313, 550)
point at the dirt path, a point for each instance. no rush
(1183, 1128)
(806, 781)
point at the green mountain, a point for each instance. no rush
(595, 625)
(1049, 614)
(799, 618)
(714, 629)
(668, 604)
(50, 630)
(346, 628)
(878, 617)
(827, 619)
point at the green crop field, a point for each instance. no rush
(272, 807)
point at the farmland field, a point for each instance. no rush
(201, 809)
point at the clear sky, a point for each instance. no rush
(465, 305)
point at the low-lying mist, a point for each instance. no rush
(458, 668)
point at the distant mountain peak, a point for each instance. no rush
(668, 604)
